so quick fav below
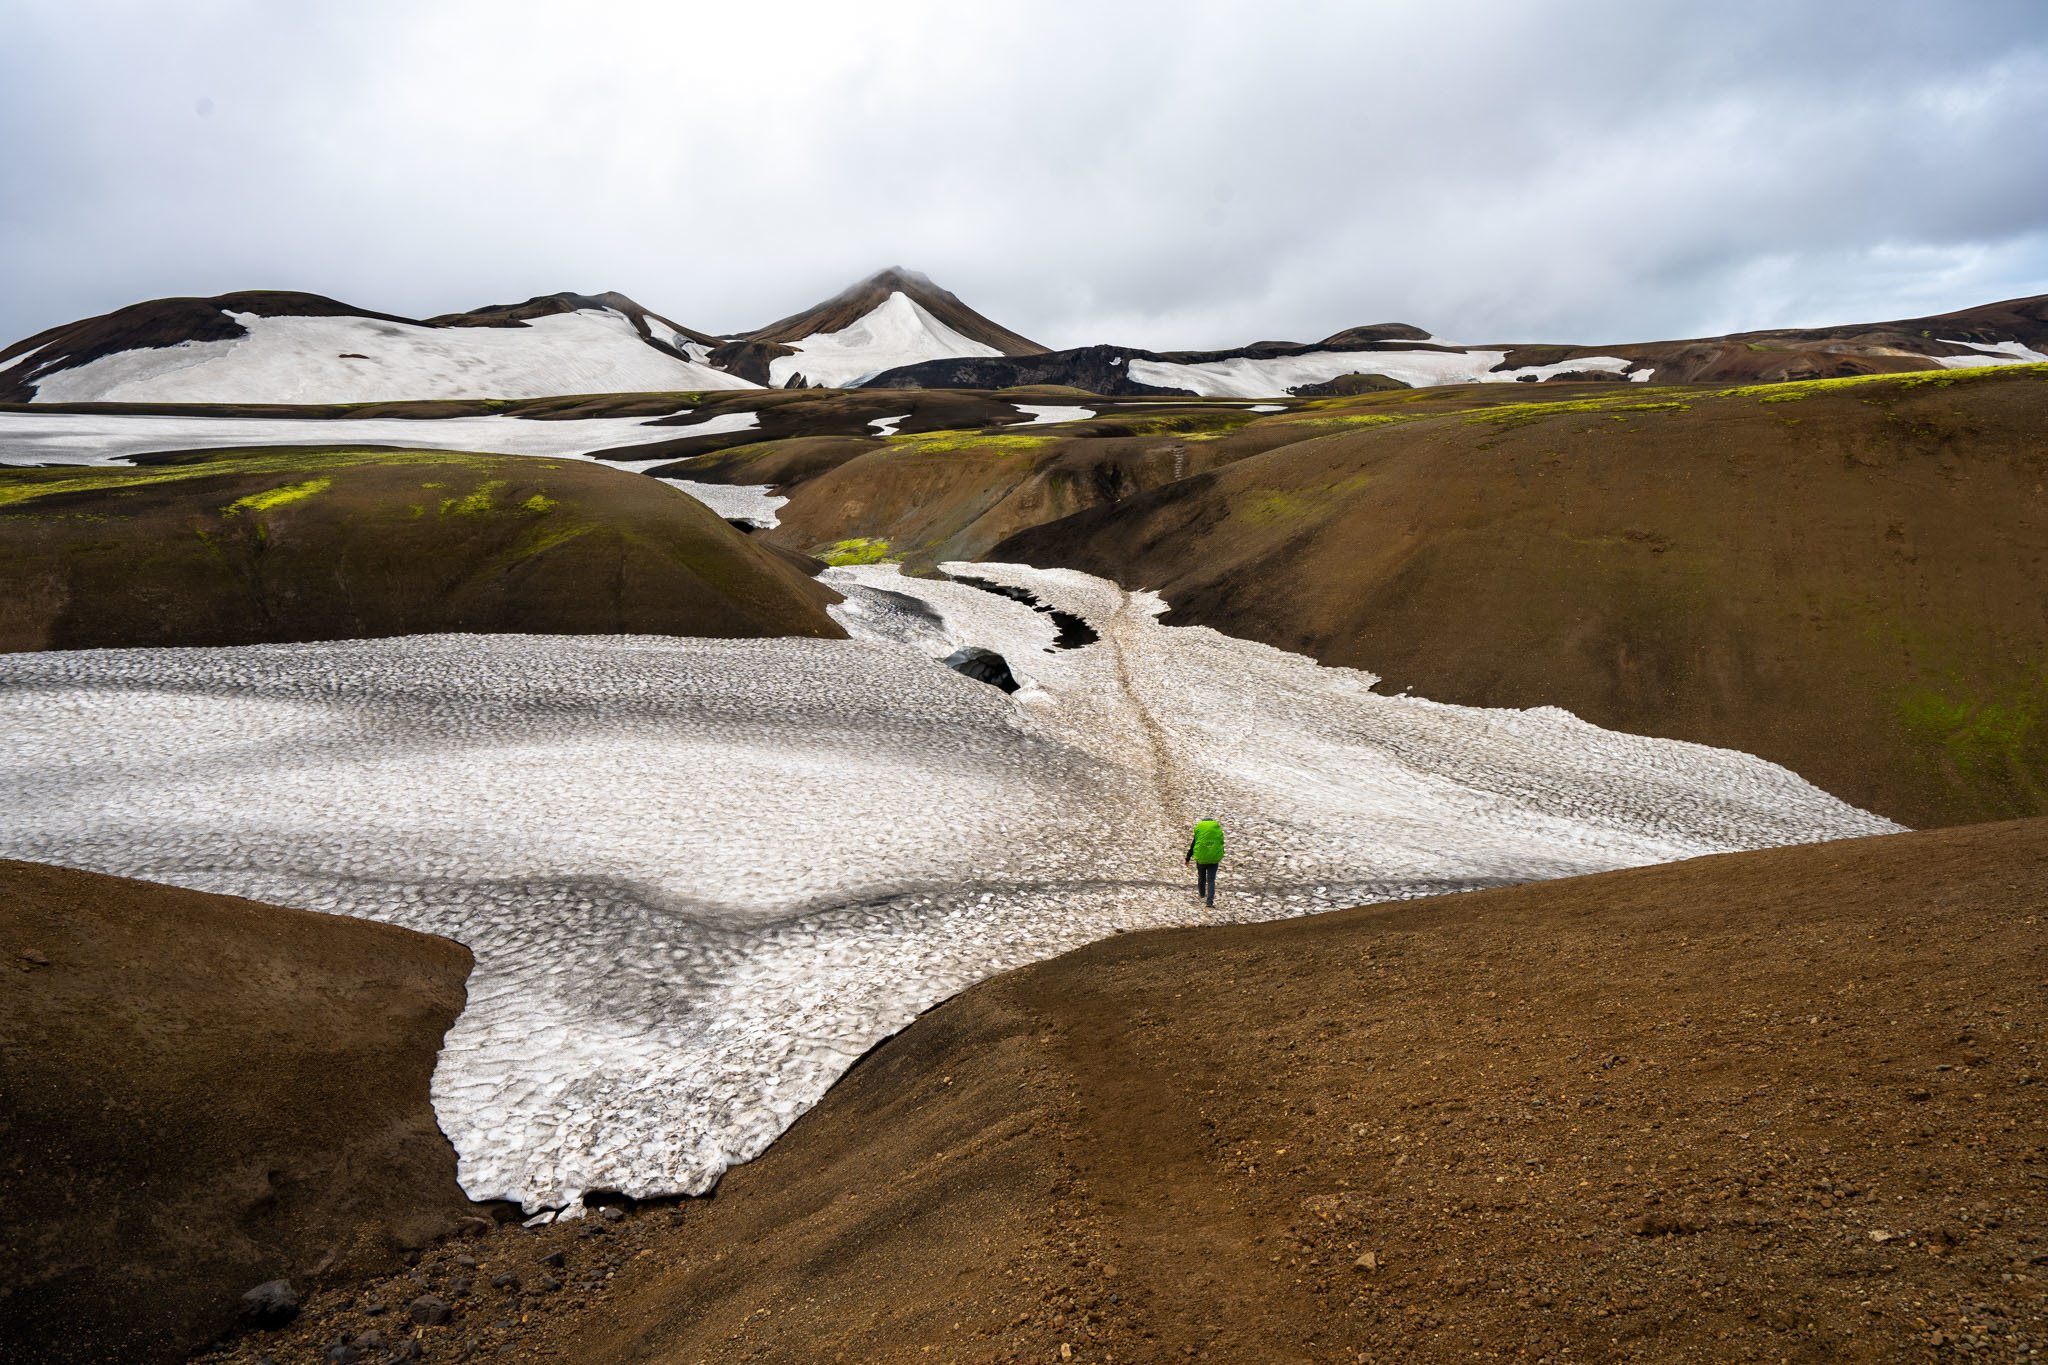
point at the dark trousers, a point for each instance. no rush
(1205, 881)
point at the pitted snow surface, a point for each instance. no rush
(752, 503)
(702, 876)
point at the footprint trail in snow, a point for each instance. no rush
(701, 877)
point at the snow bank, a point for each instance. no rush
(896, 331)
(98, 439)
(1042, 414)
(701, 877)
(358, 359)
(1246, 377)
(754, 504)
(1993, 353)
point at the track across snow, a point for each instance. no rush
(702, 876)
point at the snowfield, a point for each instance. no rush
(896, 331)
(100, 438)
(1992, 353)
(1248, 377)
(701, 877)
(361, 360)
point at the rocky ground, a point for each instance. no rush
(198, 1095)
(1784, 1105)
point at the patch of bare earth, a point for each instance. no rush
(1784, 1105)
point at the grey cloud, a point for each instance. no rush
(1155, 174)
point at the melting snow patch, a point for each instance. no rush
(886, 426)
(701, 877)
(1043, 414)
(1994, 353)
(98, 438)
(753, 504)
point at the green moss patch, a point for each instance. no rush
(278, 497)
(859, 550)
(947, 442)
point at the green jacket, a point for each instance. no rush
(1207, 845)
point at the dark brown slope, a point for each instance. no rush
(1849, 577)
(1786, 1105)
(199, 1094)
(325, 544)
(856, 302)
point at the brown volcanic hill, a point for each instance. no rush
(1849, 577)
(857, 301)
(294, 544)
(199, 1094)
(1784, 1105)
(1778, 355)
(545, 305)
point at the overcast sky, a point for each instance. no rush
(1163, 175)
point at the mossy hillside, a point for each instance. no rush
(957, 442)
(1860, 594)
(248, 547)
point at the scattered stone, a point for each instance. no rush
(31, 959)
(984, 666)
(270, 1304)
(458, 1288)
(612, 1214)
(466, 1261)
(430, 1310)
(547, 1284)
(408, 1349)
(1918, 1096)
(374, 1306)
(369, 1341)
(341, 1353)
(1880, 1235)
(505, 1280)
(1369, 1261)
(553, 1258)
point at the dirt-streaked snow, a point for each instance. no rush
(701, 877)
(1992, 353)
(103, 438)
(359, 359)
(896, 331)
(1249, 377)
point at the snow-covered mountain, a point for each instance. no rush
(265, 347)
(895, 329)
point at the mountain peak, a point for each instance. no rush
(857, 300)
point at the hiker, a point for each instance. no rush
(1205, 851)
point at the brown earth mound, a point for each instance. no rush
(199, 1094)
(1785, 1105)
(286, 545)
(857, 301)
(1847, 577)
